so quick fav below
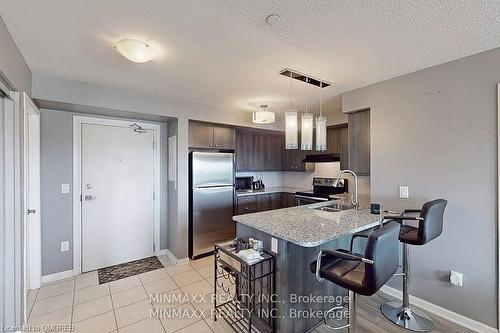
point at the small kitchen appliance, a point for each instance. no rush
(258, 185)
(243, 183)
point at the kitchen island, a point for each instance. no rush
(295, 236)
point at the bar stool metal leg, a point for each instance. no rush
(400, 313)
(352, 312)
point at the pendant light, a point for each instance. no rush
(263, 116)
(291, 124)
(321, 125)
(306, 130)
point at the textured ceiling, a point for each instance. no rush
(221, 52)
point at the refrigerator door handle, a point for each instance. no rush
(213, 186)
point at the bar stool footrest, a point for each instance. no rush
(326, 317)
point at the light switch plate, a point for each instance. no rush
(65, 246)
(404, 192)
(274, 245)
(64, 188)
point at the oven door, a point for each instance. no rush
(306, 200)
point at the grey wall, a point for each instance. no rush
(56, 167)
(173, 228)
(435, 130)
(178, 193)
(13, 68)
(57, 209)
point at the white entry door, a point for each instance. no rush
(117, 173)
(32, 226)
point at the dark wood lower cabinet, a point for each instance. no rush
(275, 200)
(288, 200)
(246, 204)
(263, 202)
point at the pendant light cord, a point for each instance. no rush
(307, 81)
(321, 99)
(291, 102)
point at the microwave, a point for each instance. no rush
(243, 183)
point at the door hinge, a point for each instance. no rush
(154, 195)
(154, 247)
(80, 197)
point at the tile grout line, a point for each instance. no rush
(112, 305)
(149, 298)
(73, 303)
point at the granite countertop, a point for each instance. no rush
(308, 227)
(269, 190)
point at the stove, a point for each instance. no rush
(322, 189)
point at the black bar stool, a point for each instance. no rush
(360, 274)
(430, 226)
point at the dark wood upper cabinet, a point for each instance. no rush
(273, 147)
(201, 135)
(258, 150)
(224, 137)
(344, 147)
(337, 142)
(244, 150)
(359, 142)
(333, 140)
(209, 136)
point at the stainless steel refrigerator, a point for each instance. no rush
(211, 201)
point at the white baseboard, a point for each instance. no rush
(441, 312)
(161, 252)
(57, 276)
(169, 254)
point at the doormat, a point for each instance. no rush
(121, 271)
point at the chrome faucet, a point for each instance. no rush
(354, 200)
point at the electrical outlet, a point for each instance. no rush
(404, 192)
(274, 245)
(65, 246)
(456, 279)
(64, 188)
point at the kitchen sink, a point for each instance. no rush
(335, 207)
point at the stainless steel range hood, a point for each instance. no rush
(322, 158)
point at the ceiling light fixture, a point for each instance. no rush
(321, 126)
(135, 50)
(291, 124)
(263, 116)
(306, 124)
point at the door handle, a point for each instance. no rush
(31, 211)
(89, 197)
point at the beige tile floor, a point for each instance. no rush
(125, 306)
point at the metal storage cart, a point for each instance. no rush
(245, 290)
